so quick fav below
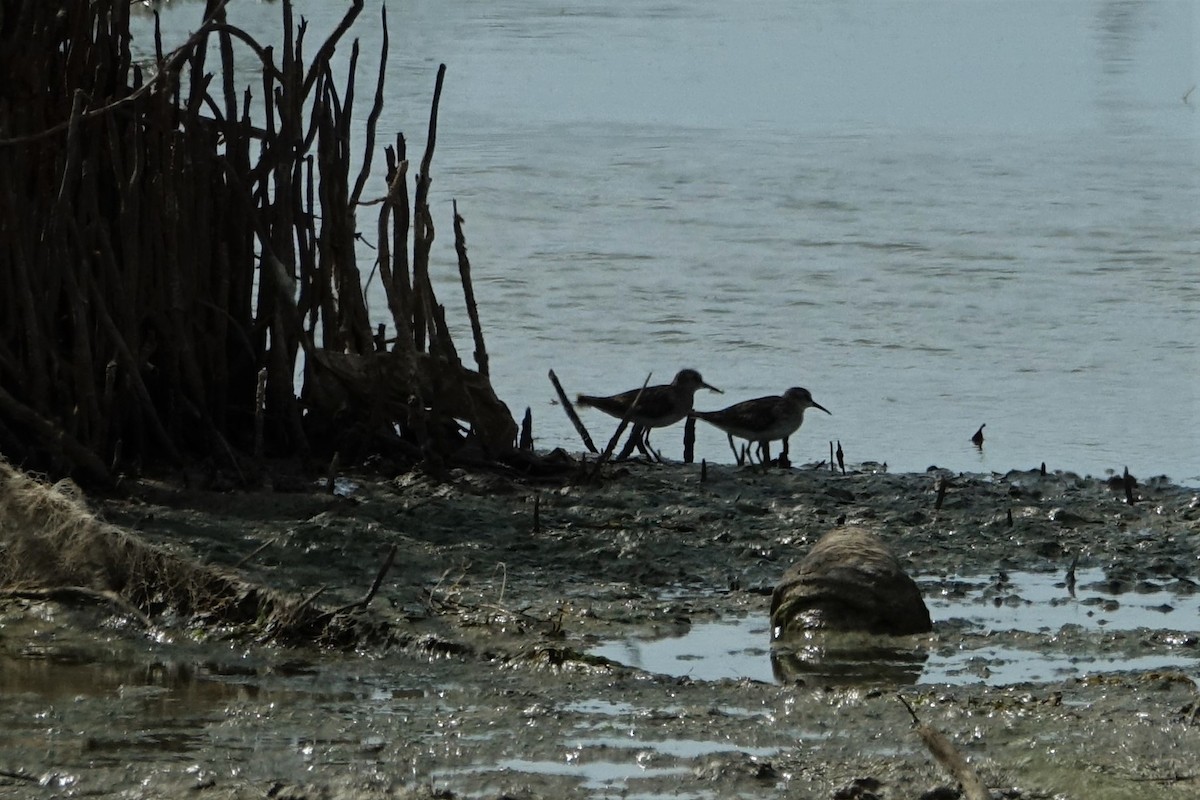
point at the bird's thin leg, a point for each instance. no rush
(736, 455)
(766, 454)
(645, 448)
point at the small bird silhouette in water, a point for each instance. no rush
(764, 419)
(657, 407)
(977, 439)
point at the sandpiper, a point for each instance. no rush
(763, 419)
(658, 406)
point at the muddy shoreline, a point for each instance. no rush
(503, 591)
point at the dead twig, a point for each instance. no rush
(464, 271)
(503, 569)
(571, 415)
(616, 437)
(312, 598)
(1167, 779)
(432, 600)
(365, 600)
(948, 756)
(242, 561)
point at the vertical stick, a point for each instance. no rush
(423, 231)
(260, 408)
(464, 271)
(526, 442)
(689, 440)
(373, 119)
(331, 474)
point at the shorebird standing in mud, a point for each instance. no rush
(764, 419)
(657, 407)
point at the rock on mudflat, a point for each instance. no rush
(850, 581)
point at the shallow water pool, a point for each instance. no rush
(998, 629)
(244, 719)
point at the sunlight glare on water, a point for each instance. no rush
(932, 215)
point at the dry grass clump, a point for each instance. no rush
(51, 546)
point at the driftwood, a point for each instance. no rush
(175, 247)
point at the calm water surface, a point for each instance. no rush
(931, 214)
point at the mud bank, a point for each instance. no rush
(510, 604)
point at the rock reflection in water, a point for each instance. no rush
(832, 658)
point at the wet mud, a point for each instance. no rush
(613, 640)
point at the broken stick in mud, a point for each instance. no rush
(948, 756)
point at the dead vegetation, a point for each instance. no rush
(178, 248)
(53, 548)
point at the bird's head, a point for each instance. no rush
(803, 398)
(690, 380)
